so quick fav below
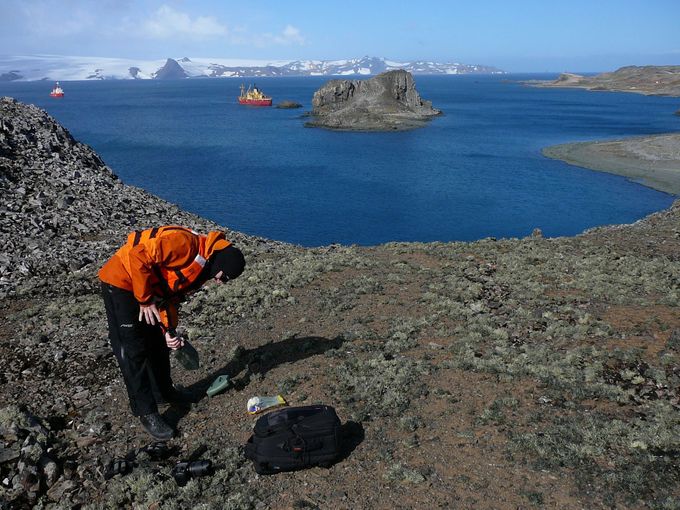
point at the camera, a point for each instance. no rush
(184, 471)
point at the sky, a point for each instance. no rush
(514, 35)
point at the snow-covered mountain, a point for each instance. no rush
(53, 67)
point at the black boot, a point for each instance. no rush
(177, 396)
(154, 425)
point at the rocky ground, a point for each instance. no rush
(648, 80)
(386, 102)
(513, 373)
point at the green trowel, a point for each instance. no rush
(219, 385)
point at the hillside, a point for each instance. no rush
(648, 80)
(504, 373)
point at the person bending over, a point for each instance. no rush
(142, 284)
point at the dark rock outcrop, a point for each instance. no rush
(386, 102)
(10, 76)
(288, 105)
(31, 468)
(170, 71)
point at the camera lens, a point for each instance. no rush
(199, 467)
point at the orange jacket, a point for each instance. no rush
(160, 262)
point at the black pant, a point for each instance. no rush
(140, 349)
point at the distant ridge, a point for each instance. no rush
(54, 67)
(648, 80)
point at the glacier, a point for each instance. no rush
(71, 68)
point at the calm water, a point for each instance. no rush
(475, 172)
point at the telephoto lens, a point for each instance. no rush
(183, 471)
(200, 467)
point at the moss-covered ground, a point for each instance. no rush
(522, 373)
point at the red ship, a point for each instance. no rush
(254, 97)
(57, 91)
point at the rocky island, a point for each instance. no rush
(288, 105)
(511, 373)
(386, 102)
(648, 80)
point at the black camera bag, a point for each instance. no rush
(294, 438)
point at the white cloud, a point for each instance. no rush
(289, 35)
(167, 22)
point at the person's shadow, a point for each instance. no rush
(257, 361)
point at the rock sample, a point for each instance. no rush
(386, 102)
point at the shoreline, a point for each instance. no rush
(653, 161)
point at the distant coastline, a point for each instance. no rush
(647, 80)
(653, 161)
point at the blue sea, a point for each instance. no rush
(477, 171)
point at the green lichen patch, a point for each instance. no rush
(382, 385)
(631, 459)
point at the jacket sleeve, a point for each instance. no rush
(172, 252)
(169, 315)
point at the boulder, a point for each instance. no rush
(288, 105)
(386, 102)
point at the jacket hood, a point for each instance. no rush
(215, 241)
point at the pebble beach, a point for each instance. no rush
(653, 161)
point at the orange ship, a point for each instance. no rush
(254, 96)
(57, 91)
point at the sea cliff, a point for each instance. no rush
(494, 373)
(386, 102)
